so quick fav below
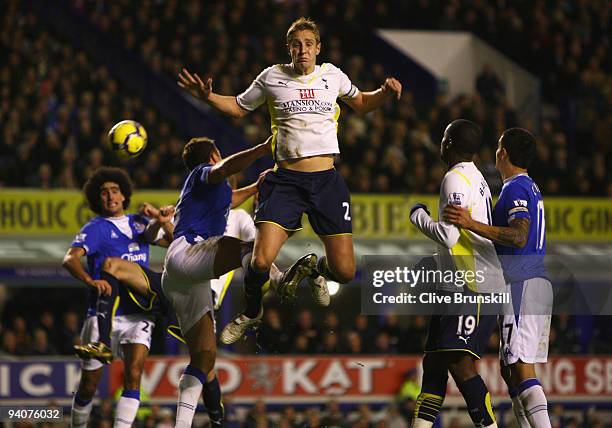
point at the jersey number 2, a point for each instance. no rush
(347, 207)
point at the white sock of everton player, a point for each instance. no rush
(534, 402)
(190, 389)
(81, 409)
(518, 409)
(127, 407)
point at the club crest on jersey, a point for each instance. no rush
(114, 235)
(455, 198)
(307, 94)
(133, 247)
(139, 227)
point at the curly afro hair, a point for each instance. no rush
(104, 175)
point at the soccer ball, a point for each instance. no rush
(127, 138)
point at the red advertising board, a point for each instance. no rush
(354, 378)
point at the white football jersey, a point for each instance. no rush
(240, 225)
(303, 109)
(465, 186)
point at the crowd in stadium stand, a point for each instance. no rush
(51, 325)
(63, 107)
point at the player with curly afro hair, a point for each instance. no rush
(94, 192)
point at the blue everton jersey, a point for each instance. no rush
(122, 237)
(521, 198)
(203, 207)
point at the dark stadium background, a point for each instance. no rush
(69, 70)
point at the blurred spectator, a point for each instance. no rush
(47, 322)
(69, 334)
(41, 345)
(489, 86)
(331, 344)
(257, 416)
(564, 336)
(305, 332)
(9, 343)
(364, 330)
(272, 335)
(313, 418)
(332, 416)
(394, 418)
(289, 417)
(382, 344)
(23, 339)
(354, 345)
(102, 416)
(362, 418)
(394, 331)
(166, 418)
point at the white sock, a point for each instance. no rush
(276, 276)
(190, 389)
(534, 402)
(421, 423)
(79, 416)
(125, 413)
(519, 413)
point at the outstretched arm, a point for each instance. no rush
(238, 161)
(513, 235)
(244, 193)
(226, 104)
(365, 102)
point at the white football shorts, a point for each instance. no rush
(188, 270)
(127, 329)
(525, 327)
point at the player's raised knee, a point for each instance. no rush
(260, 263)
(344, 273)
(111, 265)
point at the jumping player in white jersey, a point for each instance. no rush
(519, 233)
(114, 234)
(201, 252)
(454, 342)
(302, 101)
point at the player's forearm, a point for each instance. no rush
(514, 235)
(152, 231)
(446, 235)
(168, 228)
(226, 104)
(242, 194)
(74, 266)
(372, 100)
(237, 162)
